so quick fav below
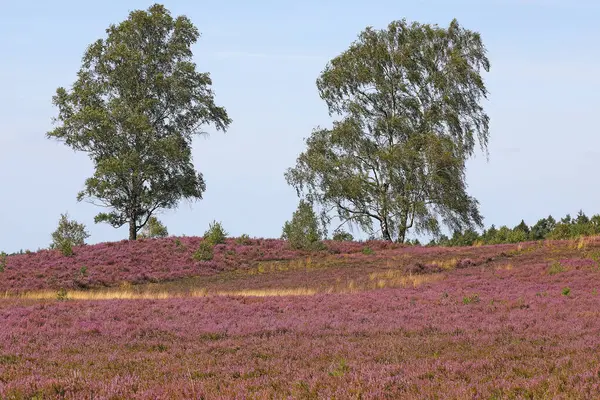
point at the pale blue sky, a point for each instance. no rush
(264, 57)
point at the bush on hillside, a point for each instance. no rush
(3, 261)
(244, 240)
(215, 233)
(303, 232)
(205, 251)
(69, 233)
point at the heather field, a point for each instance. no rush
(355, 320)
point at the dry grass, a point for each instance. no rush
(377, 280)
(126, 294)
(395, 278)
(506, 267)
(446, 264)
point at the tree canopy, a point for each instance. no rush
(408, 98)
(134, 108)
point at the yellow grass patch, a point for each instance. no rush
(125, 294)
(395, 278)
(446, 264)
(582, 243)
(506, 267)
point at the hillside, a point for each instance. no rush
(171, 259)
(261, 321)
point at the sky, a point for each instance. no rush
(264, 58)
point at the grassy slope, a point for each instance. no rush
(487, 322)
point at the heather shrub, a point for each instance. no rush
(69, 233)
(215, 233)
(303, 231)
(3, 261)
(342, 236)
(205, 251)
(153, 229)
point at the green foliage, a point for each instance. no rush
(66, 249)
(542, 228)
(83, 271)
(205, 252)
(555, 268)
(69, 233)
(545, 228)
(303, 231)
(367, 251)
(135, 107)
(154, 229)
(566, 291)
(3, 261)
(408, 98)
(342, 236)
(340, 369)
(522, 227)
(215, 233)
(178, 245)
(466, 238)
(244, 240)
(471, 299)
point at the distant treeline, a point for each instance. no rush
(546, 228)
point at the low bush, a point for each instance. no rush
(205, 251)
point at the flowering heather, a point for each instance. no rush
(142, 261)
(169, 259)
(493, 324)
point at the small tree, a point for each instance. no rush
(303, 231)
(69, 233)
(215, 233)
(342, 236)
(154, 229)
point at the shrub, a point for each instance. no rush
(566, 291)
(3, 261)
(178, 245)
(555, 268)
(204, 252)
(215, 233)
(342, 236)
(471, 299)
(68, 234)
(303, 231)
(367, 251)
(65, 248)
(244, 240)
(153, 229)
